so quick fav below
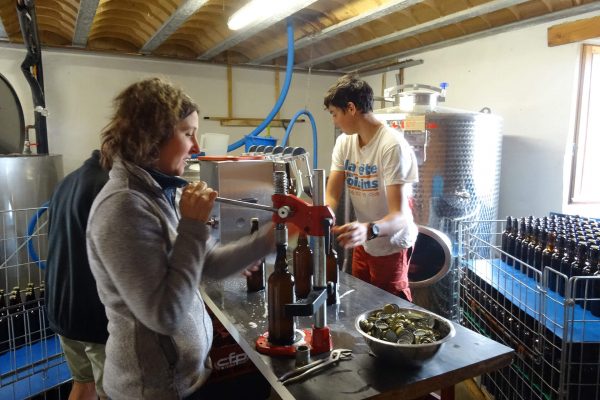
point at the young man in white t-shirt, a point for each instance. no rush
(378, 167)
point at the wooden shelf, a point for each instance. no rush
(230, 121)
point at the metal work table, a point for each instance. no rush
(467, 355)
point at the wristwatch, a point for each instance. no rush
(372, 231)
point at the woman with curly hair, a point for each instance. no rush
(148, 254)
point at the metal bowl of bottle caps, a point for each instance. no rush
(403, 336)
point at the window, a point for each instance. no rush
(585, 185)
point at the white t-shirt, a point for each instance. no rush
(386, 160)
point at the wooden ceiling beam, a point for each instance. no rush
(85, 17)
(346, 25)
(454, 18)
(566, 13)
(185, 10)
(575, 31)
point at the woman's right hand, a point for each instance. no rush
(197, 201)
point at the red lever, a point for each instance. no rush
(303, 215)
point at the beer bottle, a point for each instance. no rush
(525, 246)
(504, 242)
(15, 310)
(521, 236)
(533, 242)
(256, 281)
(33, 313)
(280, 293)
(332, 273)
(577, 269)
(303, 267)
(565, 264)
(4, 345)
(547, 258)
(589, 268)
(539, 249)
(512, 242)
(594, 260)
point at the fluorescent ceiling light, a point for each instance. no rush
(259, 10)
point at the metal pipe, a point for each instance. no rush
(245, 204)
(320, 253)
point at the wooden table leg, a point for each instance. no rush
(447, 393)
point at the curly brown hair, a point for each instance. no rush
(145, 116)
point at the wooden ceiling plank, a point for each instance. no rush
(251, 30)
(183, 12)
(343, 26)
(473, 12)
(85, 17)
(565, 13)
(575, 31)
(105, 23)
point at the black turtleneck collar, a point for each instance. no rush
(168, 183)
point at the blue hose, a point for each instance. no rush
(30, 230)
(314, 129)
(282, 95)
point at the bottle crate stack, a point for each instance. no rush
(546, 311)
(31, 359)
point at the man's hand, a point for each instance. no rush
(197, 201)
(352, 234)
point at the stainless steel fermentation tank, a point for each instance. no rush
(26, 183)
(459, 175)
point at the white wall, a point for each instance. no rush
(80, 88)
(533, 88)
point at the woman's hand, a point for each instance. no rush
(255, 266)
(197, 201)
(352, 234)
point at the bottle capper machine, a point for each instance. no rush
(315, 220)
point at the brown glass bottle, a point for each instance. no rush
(256, 281)
(521, 236)
(303, 267)
(539, 249)
(504, 242)
(16, 315)
(525, 246)
(565, 264)
(533, 242)
(4, 345)
(547, 258)
(577, 269)
(333, 274)
(594, 260)
(280, 293)
(512, 242)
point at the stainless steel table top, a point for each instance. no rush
(467, 355)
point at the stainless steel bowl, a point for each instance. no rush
(407, 354)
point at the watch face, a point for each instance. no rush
(375, 230)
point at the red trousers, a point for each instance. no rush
(389, 273)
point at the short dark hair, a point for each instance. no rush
(350, 88)
(146, 113)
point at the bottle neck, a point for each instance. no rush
(281, 260)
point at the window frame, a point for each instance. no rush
(578, 163)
